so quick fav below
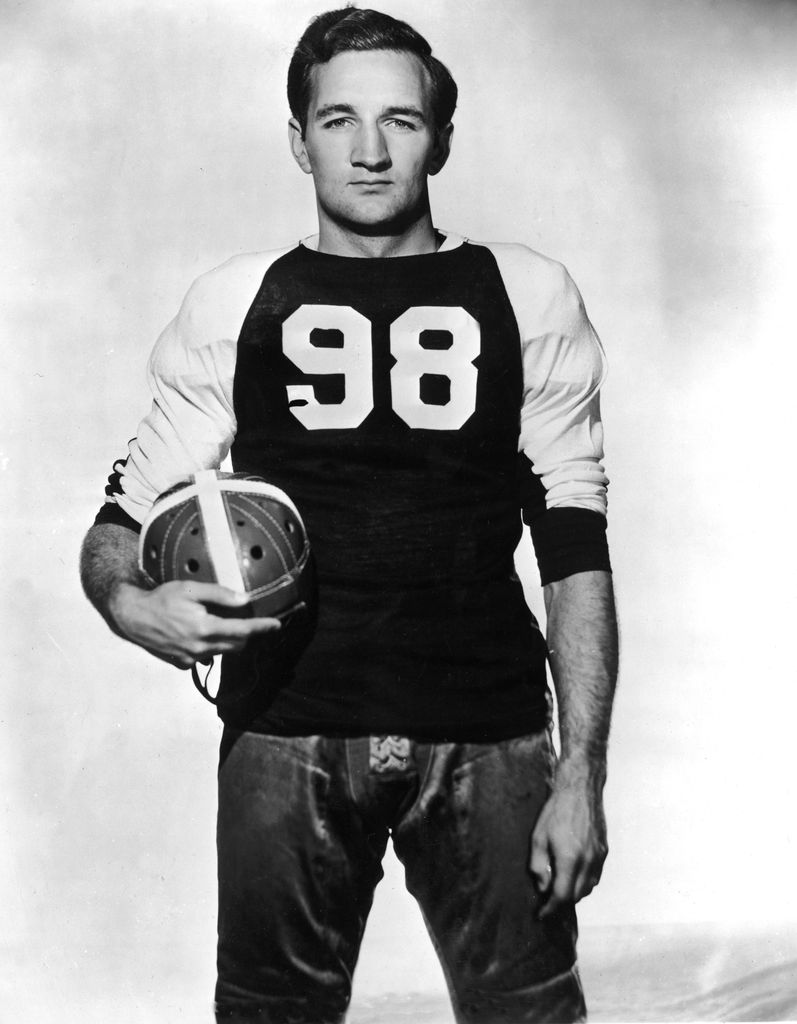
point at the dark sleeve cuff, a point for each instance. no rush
(110, 512)
(569, 540)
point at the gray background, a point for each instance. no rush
(651, 148)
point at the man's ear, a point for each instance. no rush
(298, 148)
(442, 149)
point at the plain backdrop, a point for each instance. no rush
(650, 147)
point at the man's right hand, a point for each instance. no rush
(175, 621)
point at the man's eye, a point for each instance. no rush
(337, 122)
(396, 122)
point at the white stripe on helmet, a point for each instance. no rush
(218, 537)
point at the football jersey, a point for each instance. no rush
(414, 408)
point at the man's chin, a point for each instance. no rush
(377, 223)
(394, 228)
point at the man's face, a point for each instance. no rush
(370, 141)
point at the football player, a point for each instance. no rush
(418, 396)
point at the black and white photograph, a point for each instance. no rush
(397, 511)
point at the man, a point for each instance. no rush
(413, 393)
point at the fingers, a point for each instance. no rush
(184, 623)
(540, 863)
(226, 636)
(544, 869)
(223, 629)
(215, 636)
(564, 870)
(561, 891)
(568, 848)
(212, 593)
(571, 881)
(588, 877)
(171, 659)
(207, 594)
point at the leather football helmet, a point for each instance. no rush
(243, 533)
(233, 529)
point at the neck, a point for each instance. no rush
(341, 240)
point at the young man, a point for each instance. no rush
(415, 394)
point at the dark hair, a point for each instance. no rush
(351, 29)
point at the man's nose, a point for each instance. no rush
(370, 149)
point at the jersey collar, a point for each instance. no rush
(450, 241)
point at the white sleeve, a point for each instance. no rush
(563, 367)
(191, 423)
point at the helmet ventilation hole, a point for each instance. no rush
(289, 526)
(256, 552)
(240, 522)
(194, 531)
(153, 552)
(192, 565)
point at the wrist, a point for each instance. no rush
(586, 771)
(122, 602)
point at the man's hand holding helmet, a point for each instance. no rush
(227, 559)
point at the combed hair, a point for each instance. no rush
(352, 29)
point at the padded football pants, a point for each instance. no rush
(303, 825)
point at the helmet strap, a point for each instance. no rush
(202, 684)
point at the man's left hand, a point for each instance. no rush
(568, 845)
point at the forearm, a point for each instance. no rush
(177, 621)
(108, 565)
(569, 845)
(583, 647)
